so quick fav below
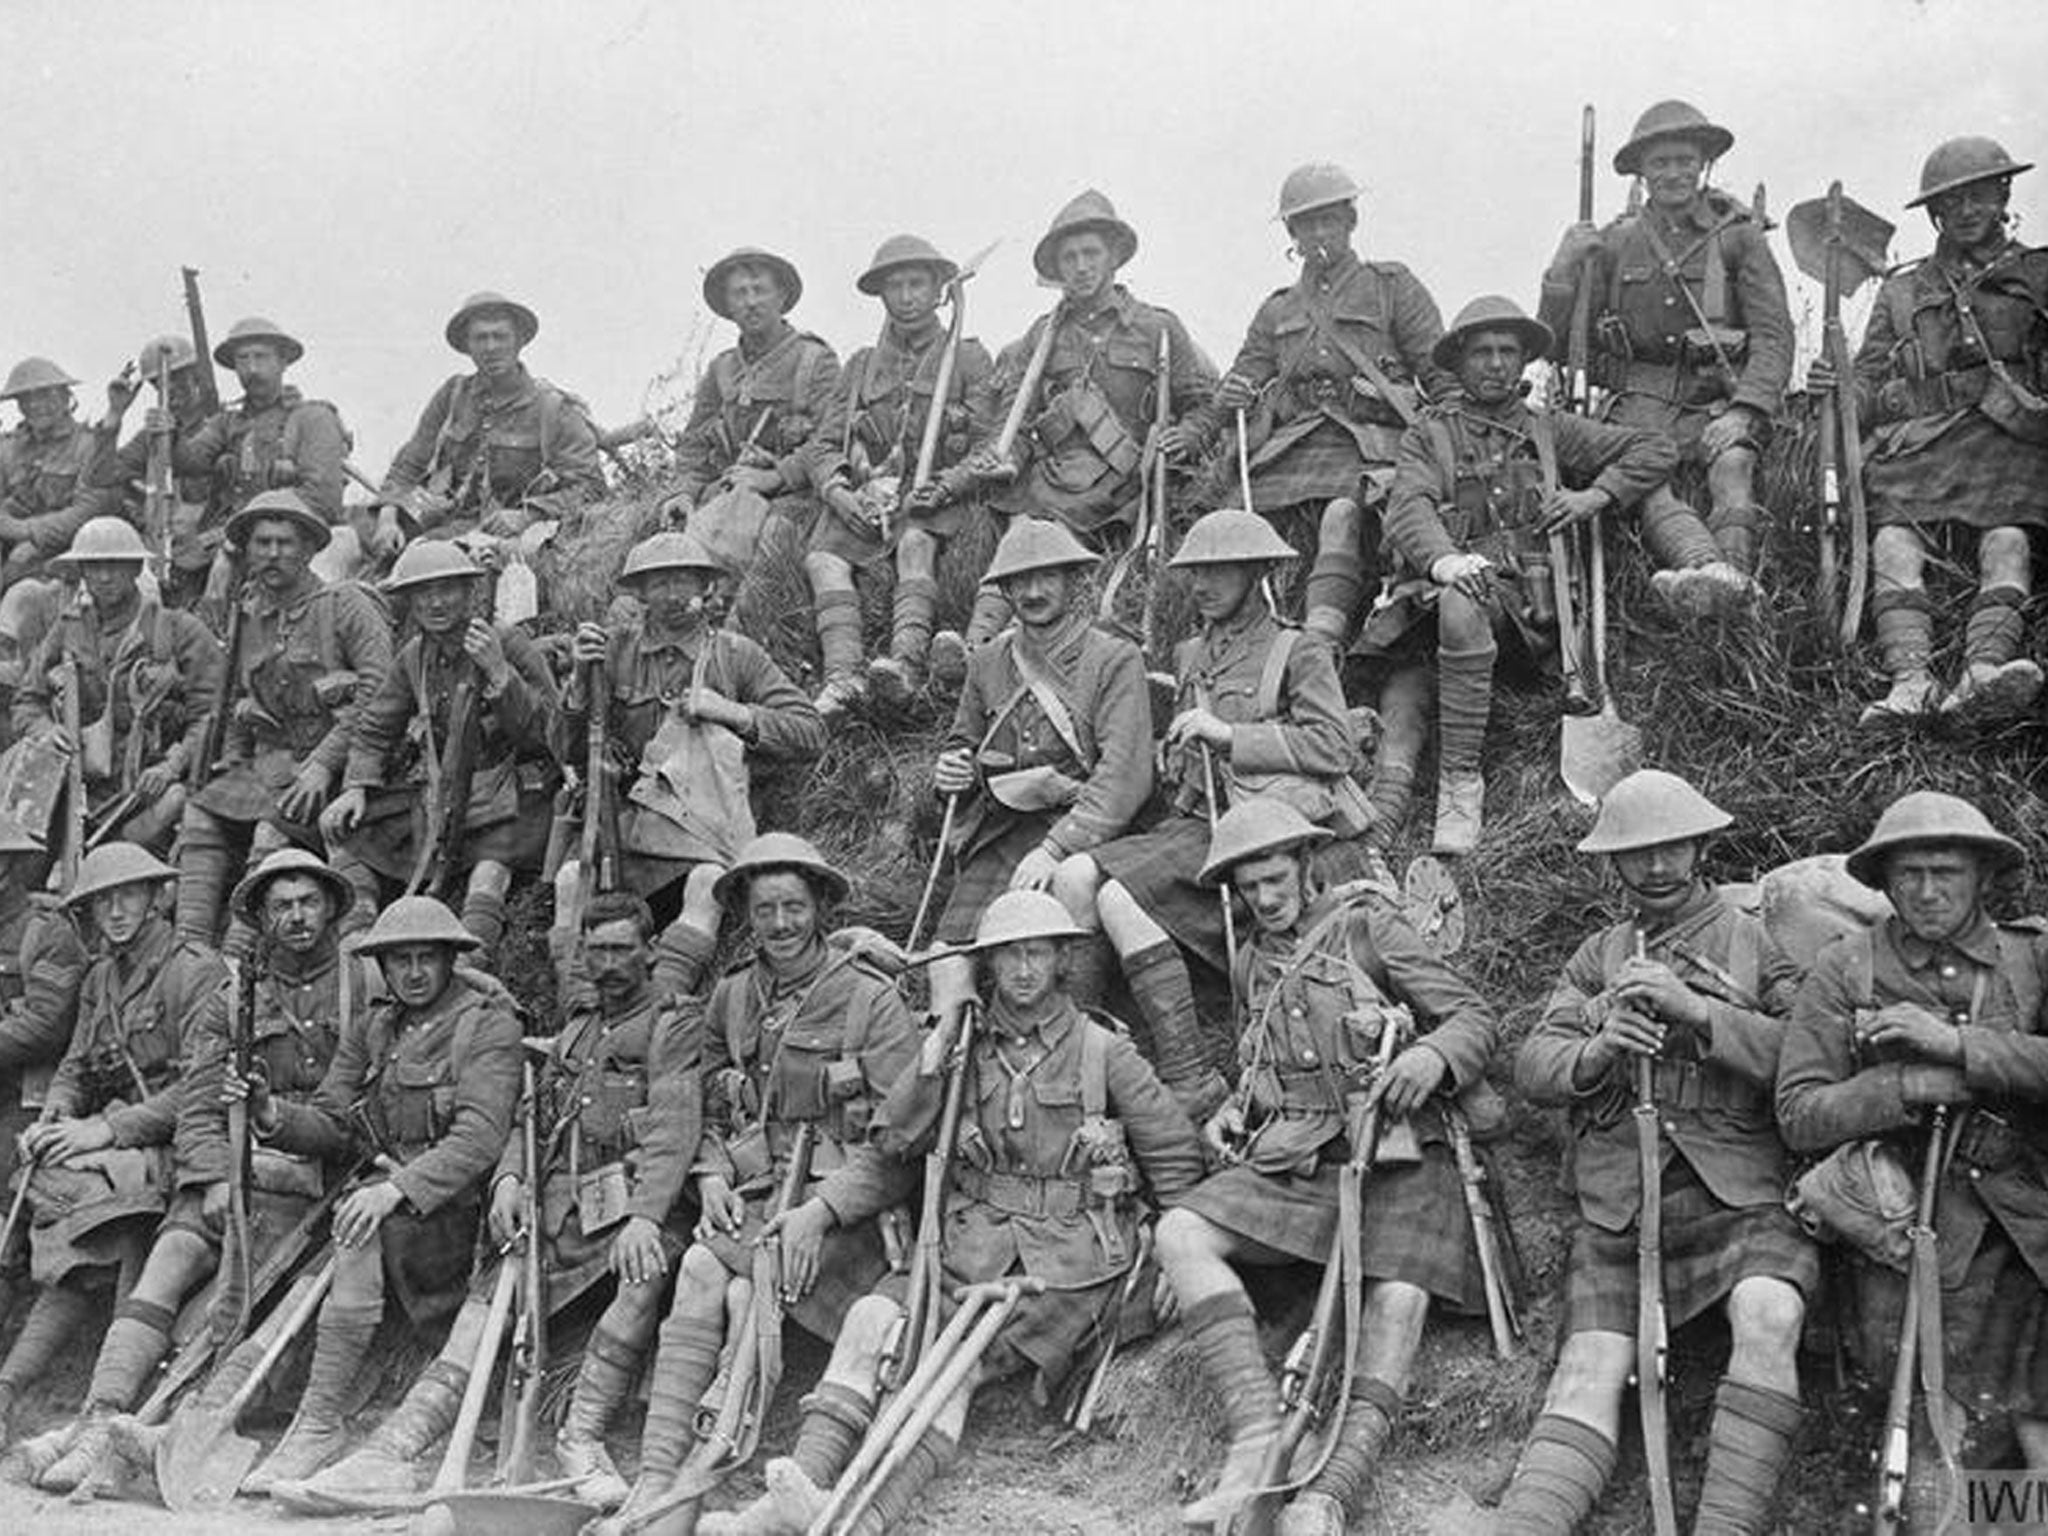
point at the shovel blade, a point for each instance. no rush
(502, 1514)
(201, 1461)
(1595, 752)
(1866, 241)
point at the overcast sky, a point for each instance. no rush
(351, 170)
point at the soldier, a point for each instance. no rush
(98, 1159)
(146, 673)
(1078, 459)
(1932, 1016)
(804, 1032)
(868, 451)
(1479, 486)
(1050, 752)
(496, 449)
(390, 821)
(1320, 981)
(309, 655)
(1946, 377)
(1256, 713)
(1693, 993)
(273, 438)
(1065, 1132)
(51, 479)
(292, 902)
(1694, 339)
(620, 1112)
(1330, 373)
(677, 689)
(424, 1084)
(193, 536)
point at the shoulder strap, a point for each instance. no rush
(1274, 673)
(1042, 688)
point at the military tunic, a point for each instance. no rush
(1078, 457)
(1069, 769)
(50, 487)
(433, 1090)
(1321, 423)
(1935, 455)
(1027, 1191)
(1653, 353)
(1991, 1214)
(1296, 746)
(41, 964)
(139, 1010)
(778, 398)
(531, 454)
(821, 1046)
(512, 772)
(292, 443)
(876, 423)
(1724, 1168)
(1316, 1000)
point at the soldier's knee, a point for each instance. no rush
(1896, 554)
(1342, 526)
(868, 1324)
(1184, 1237)
(1766, 1315)
(915, 551)
(828, 573)
(1075, 881)
(489, 878)
(1592, 1364)
(700, 894)
(358, 1276)
(2003, 558)
(1732, 473)
(700, 1283)
(1461, 624)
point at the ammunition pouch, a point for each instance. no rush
(2015, 409)
(1705, 346)
(1991, 1143)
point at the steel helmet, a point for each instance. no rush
(1958, 162)
(1315, 185)
(16, 838)
(425, 560)
(1649, 807)
(671, 551)
(772, 852)
(1230, 536)
(525, 323)
(248, 897)
(1256, 825)
(415, 920)
(786, 277)
(112, 865)
(1491, 312)
(278, 506)
(1036, 544)
(905, 251)
(104, 538)
(1016, 916)
(1672, 120)
(33, 373)
(169, 347)
(1090, 211)
(1927, 818)
(256, 328)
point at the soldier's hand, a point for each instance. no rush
(507, 1212)
(13, 530)
(1562, 508)
(752, 456)
(255, 1088)
(153, 783)
(387, 537)
(213, 1206)
(802, 1234)
(1034, 871)
(1624, 1031)
(1235, 392)
(58, 1141)
(1578, 243)
(427, 506)
(762, 481)
(1409, 1080)
(1821, 378)
(122, 389)
(714, 708)
(723, 1211)
(1723, 432)
(590, 644)
(344, 815)
(362, 1212)
(1653, 988)
(927, 498)
(1469, 573)
(481, 644)
(846, 501)
(987, 464)
(1182, 440)
(1223, 1132)
(1198, 724)
(1908, 1026)
(637, 1255)
(953, 772)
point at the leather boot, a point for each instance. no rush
(384, 1465)
(1226, 1334)
(1748, 1446)
(85, 1448)
(1323, 1507)
(894, 679)
(947, 663)
(1460, 808)
(1557, 1481)
(1996, 684)
(1905, 640)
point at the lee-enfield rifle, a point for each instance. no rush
(1650, 1320)
(450, 771)
(195, 313)
(1919, 1352)
(527, 1376)
(920, 1324)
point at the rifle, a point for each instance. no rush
(920, 1324)
(599, 858)
(527, 1376)
(214, 745)
(1148, 538)
(1848, 431)
(1650, 1325)
(74, 734)
(160, 494)
(1920, 1345)
(195, 312)
(231, 1315)
(449, 773)
(1503, 1314)
(1225, 898)
(1579, 344)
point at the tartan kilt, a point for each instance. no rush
(271, 1217)
(1707, 1248)
(576, 1260)
(849, 1266)
(428, 1259)
(982, 868)
(389, 844)
(1158, 868)
(93, 1209)
(1974, 472)
(1416, 1227)
(831, 534)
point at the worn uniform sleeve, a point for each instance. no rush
(1416, 325)
(522, 712)
(1748, 1041)
(1462, 1025)
(883, 1170)
(1257, 362)
(486, 1091)
(1193, 377)
(202, 664)
(1624, 462)
(1162, 1138)
(1760, 287)
(1561, 284)
(1121, 780)
(1824, 1099)
(1547, 1065)
(785, 723)
(829, 463)
(35, 700)
(51, 532)
(366, 651)
(1312, 736)
(798, 465)
(195, 452)
(317, 444)
(200, 1143)
(675, 1113)
(702, 454)
(415, 461)
(380, 726)
(887, 1040)
(191, 979)
(1873, 365)
(1422, 488)
(321, 1126)
(574, 470)
(36, 1027)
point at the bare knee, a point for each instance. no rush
(1731, 475)
(1185, 1238)
(1897, 556)
(700, 896)
(1461, 624)
(1765, 1317)
(828, 573)
(2003, 559)
(1592, 1368)
(915, 553)
(1075, 882)
(700, 1284)
(1342, 528)
(489, 878)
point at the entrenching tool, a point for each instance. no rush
(1027, 387)
(1596, 751)
(931, 879)
(201, 1460)
(1503, 1314)
(454, 1470)
(527, 1510)
(1431, 902)
(942, 386)
(1841, 245)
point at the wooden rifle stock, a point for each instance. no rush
(74, 733)
(237, 1298)
(927, 1266)
(1650, 1323)
(195, 313)
(1579, 344)
(160, 495)
(440, 852)
(1829, 532)
(527, 1378)
(214, 744)
(596, 857)
(1895, 1454)
(1848, 432)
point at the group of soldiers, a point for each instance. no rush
(281, 761)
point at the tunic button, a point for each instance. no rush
(1309, 1057)
(1670, 1128)
(586, 1098)
(1976, 1173)
(1948, 970)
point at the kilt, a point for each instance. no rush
(94, 1209)
(850, 1264)
(389, 844)
(1158, 868)
(575, 1260)
(428, 1259)
(982, 870)
(1404, 627)
(1994, 1329)
(1971, 471)
(1707, 1248)
(1416, 1229)
(831, 534)
(271, 1217)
